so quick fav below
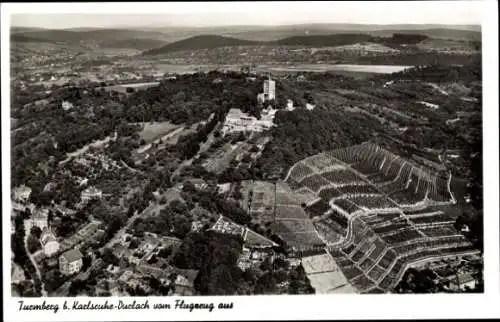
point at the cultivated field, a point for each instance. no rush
(258, 200)
(325, 275)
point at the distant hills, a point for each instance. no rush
(201, 42)
(184, 38)
(108, 38)
(214, 41)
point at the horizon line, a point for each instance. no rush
(249, 25)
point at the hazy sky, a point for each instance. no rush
(66, 15)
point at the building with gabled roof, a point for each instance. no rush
(49, 242)
(461, 281)
(21, 193)
(39, 218)
(91, 193)
(70, 262)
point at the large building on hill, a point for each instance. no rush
(238, 121)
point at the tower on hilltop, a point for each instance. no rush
(269, 89)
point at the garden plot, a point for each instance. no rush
(324, 274)
(253, 239)
(219, 162)
(297, 233)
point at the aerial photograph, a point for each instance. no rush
(199, 155)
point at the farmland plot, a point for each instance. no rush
(324, 274)
(258, 196)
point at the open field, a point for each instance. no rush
(122, 88)
(152, 131)
(379, 69)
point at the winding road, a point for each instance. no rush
(39, 275)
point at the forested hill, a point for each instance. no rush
(213, 41)
(438, 73)
(348, 39)
(201, 42)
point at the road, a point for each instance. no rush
(44, 292)
(124, 229)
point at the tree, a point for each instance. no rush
(33, 244)
(134, 243)
(76, 287)
(266, 265)
(87, 261)
(36, 232)
(165, 252)
(108, 257)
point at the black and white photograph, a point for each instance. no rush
(241, 150)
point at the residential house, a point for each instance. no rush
(49, 186)
(70, 262)
(465, 228)
(294, 262)
(199, 184)
(126, 276)
(461, 281)
(66, 105)
(196, 225)
(224, 187)
(39, 219)
(184, 282)
(91, 193)
(113, 269)
(17, 273)
(49, 242)
(21, 193)
(301, 78)
(310, 107)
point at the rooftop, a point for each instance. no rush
(72, 255)
(463, 278)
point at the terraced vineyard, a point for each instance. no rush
(378, 213)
